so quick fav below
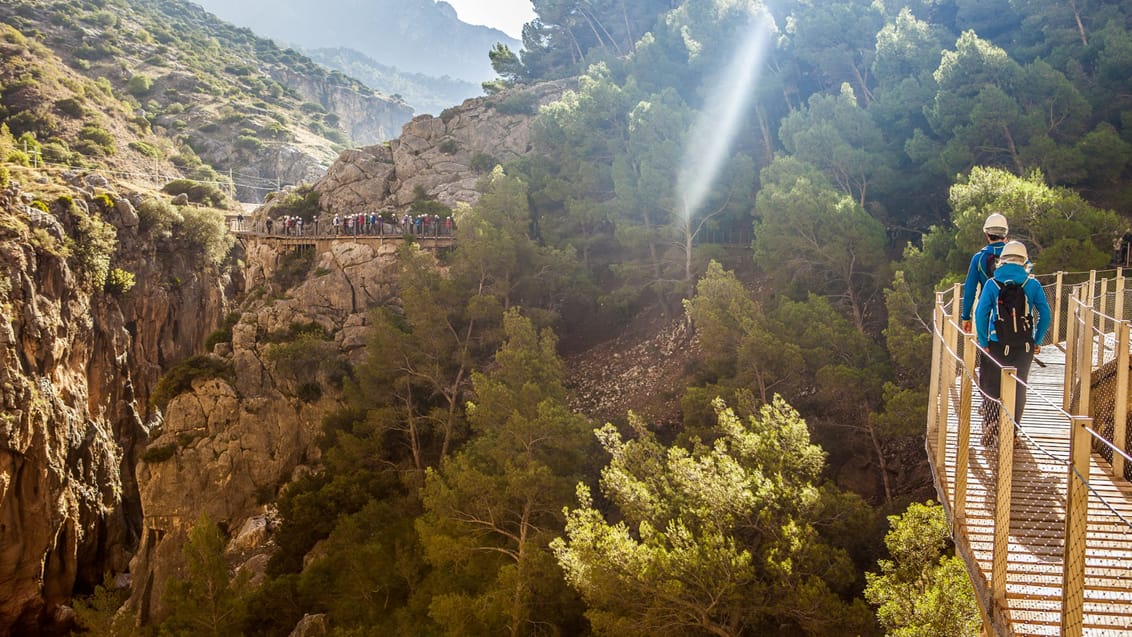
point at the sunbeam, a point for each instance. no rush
(719, 122)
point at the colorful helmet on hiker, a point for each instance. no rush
(996, 225)
(1014, 252)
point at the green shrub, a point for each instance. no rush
(309, 392)
(71, 107)
(448, 146)
(104, 19)
(139, 85)
(430, 207)
(482, 163)
(224, 334)
(119, 281)
(94, 241)
(145, 148)
(18, 157)
(295, 331)
(247, 142)
(448, 114)
(293, 268)
(92, 52)
(303, 359)
(179, 379)
(103, 200)
(5, 176)
(89, 148)
(37, 122)
(158, 215)
(99, 136)
(517, 104)
(197, 192)
(153, 455)
(203, 231)
(300, 202)
(57, 152)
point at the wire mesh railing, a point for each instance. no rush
(1038, 536)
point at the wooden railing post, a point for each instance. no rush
(1102, 320)
(1076, 524)
(937, 363)
(1001, 550)
(1072, 343)
(962, 452)
(1084, 370)
(1120, 408)
(1118, 295)
(1055, 335)
(1090, 301)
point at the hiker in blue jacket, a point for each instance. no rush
(982, 264)
(996, 337)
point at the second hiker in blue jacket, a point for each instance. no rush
(982, 264)
(1011, 267)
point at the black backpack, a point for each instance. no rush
(1015, 325)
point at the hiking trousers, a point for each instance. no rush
(990, 376)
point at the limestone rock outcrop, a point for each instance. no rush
(76, 368)
(441, 158)
(229, 443)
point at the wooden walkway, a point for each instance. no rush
(1037, 516)
(323, 243)
(1012, 507)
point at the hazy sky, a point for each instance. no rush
(508, 16)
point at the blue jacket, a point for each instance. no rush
(987, 310)
(977, 276)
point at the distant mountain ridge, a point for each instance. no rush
(425, 93)
(417, 36)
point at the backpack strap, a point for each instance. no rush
(984, 260)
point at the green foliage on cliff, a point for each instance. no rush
(204, 234)
(180, 377)
(90, 240)
(119, 281)
(159, 453)
(207, 194)
(203, 599)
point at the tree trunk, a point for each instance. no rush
(1021, 170)
(883, 463)
(866, 94)
(764, 128)
(1080, 25)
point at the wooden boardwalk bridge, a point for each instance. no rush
(390, 238)
(1045, 525)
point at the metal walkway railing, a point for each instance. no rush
(1045, 525)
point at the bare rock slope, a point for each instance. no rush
(440, 158)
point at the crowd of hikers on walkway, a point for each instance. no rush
(355, 225)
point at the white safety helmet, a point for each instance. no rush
(1014, 252)
(996, 225)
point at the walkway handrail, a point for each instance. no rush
(1096, 343)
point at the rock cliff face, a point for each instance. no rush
(367, 119)
(442, 157)
(92, 479)
(76, 368)
(234, 441)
